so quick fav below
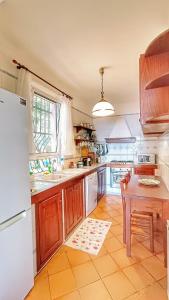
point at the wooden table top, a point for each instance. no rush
(135, 189)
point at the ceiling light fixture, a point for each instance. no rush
(102, 108)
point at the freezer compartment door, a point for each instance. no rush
(16, 257)
(14, 159)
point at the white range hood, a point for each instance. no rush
(118, 127)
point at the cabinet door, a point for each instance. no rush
(99, 195)
(144, 170)
(78, 201)
(103, 182)
(50, 227)
(69, 209)
(73, 205)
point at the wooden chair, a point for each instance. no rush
(141, 221)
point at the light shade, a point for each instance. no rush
(103, 109)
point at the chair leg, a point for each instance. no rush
(124, 224)
(151, 236)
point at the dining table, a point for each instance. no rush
(148, 198)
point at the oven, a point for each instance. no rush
(116, 174)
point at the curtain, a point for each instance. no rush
(23, 89)
(67, 145)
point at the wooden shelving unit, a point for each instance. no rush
(79, 127)
(77, 141)
(162, 81)
(159, 45)
(89, 131)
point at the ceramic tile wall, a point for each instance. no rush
(163, 158)
(129, 151)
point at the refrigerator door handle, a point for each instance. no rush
(13, 220)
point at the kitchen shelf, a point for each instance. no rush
(77, 141)
(159, 45)
(80, 127)
(162, 81)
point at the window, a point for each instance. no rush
(45, 117)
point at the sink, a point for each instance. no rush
(54, 177)
(39, 185)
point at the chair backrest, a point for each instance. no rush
(128, 176)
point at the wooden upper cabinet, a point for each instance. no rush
(159, 45)
(49, 227)
(154, 84)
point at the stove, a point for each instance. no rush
(117, 173)
(123, 162)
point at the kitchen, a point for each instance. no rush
(84, 123)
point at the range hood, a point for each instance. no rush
(121, 140)
(118, 129)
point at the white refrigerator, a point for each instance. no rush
(16, 250)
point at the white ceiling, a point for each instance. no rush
(75, 37)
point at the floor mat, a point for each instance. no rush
(89, 235)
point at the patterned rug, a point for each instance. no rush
(89, 236)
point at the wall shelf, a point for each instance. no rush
(162, 81)
(80, 127)
(77, 141)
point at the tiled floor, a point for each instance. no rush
(75, 275)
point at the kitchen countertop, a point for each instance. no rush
(40, 183)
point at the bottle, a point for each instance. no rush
(49, 167)
(62, 162)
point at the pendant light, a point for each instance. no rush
(102, 108)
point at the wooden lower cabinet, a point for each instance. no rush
(145, 170)
(49, 227)
(73, 205)
(101, 173)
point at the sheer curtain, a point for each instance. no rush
(23, 89)
(67, 145)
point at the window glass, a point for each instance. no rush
(45, 117)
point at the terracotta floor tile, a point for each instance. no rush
(112, 244)
(77, 257)
(102, 252)
(118, 286)
(102, 215)
(40, 291)
(119, 219)
(94, 291)
(160, 256)
(85, 274)
(153, 292)
(58, 263)
(121, 258)
(73, 296)
(114, 213)
(140, 252)
(116, 229)
(120, 238)
(155, 267)
(62, 283)
(105, 265)
(139, 277)
(163, 283)
(109, 235)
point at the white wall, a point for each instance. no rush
(163, 152)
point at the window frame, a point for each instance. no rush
(44, 92)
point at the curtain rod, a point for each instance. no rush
(20, 66)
